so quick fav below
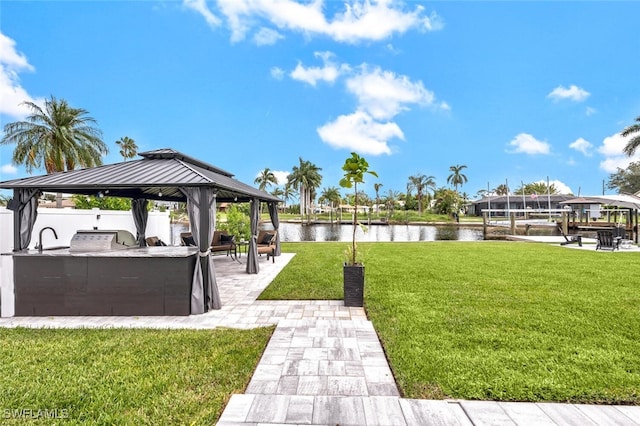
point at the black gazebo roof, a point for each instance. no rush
(158, 175)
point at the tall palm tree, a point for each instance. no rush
(278, 192)
(390, 200)
(128, 147)
(421, 182)
(266, 178)
(288, 193)
(456, 177)
(634, 142)
(376, 187)
(305, 178)
(332, 195)
(57, 138)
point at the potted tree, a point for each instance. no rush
(355, 167)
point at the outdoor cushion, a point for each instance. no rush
(266, 239)
(188, 240)
(225, 238)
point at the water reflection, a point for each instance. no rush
(293, 232)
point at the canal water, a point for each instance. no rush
(295, 232)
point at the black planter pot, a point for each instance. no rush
(353, 285)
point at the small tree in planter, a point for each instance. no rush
(355, 167)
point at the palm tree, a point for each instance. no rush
(128, 147)
(288, 193)
(376, 187)
(634, 142)
(331, 195)
(305, 178)
(420, 183)
(390, 200)
(456, 178)
(501, 189)
(266, 178)
(57, 138)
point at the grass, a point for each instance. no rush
(124, 376)
(491, 320)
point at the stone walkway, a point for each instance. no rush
(324, 365)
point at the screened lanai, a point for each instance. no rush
(163, 174)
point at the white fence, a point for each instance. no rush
(67, 222)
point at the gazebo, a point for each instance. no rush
(163, 174)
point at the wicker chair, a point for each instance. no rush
(266, 244)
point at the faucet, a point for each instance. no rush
(39, 247)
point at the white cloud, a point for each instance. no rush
(525, 143)
(9, 169)
(560, 186)
(360, 132)
(612, 149)
(583, 146)
(329, 72)
(267, 37)
(277, 73)
(383, 94)
(359, 20)
(12, 94)
(201, 7)
(573, 93)
(590, 111)
(281, 176)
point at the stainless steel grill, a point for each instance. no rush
(101, 240)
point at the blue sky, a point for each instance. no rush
(516, 91)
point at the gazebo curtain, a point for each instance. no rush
(275, 221)
(204, 289)
(25, 212)
(252, 256)
(140, 216)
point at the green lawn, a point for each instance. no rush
(124, 376)
(491, 320)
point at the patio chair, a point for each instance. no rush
(606, 241)
(570, 239)
(187, 239)
(266, 243)
(154, 241)
(223, 242)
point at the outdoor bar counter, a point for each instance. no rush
(133, 281)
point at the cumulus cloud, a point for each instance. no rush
(572, 93)
(12, 94)
(358, 20)
(559, 185)
(525, 143)
(583, 146)
(329, 72)
(281, 176)
(361, 133)
(383, 94)
(612, 149)
(9, 169)
(267, 37)
(380, 96)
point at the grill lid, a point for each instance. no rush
(101, 240)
